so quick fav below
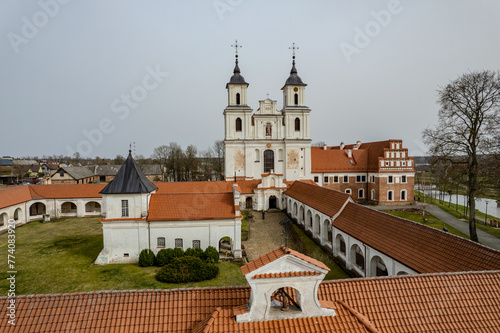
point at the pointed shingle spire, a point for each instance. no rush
(129, 179)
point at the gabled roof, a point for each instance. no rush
(129, 179)
(107, 170)
(325, 200)
(191, 206)
(275, 255)
(14, 195)
(422, 248)
(195, 187)
(77, 172)
(450, 302)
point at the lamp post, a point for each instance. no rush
(486, 217)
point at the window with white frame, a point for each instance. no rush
(361, 179)
(316, 179)
(373, 179)
(390, 195)
(346, 179)
(403, 179)
(179, 243)
(403, 195)
(325, 179)
(361, 193)
(348, 191)
(373, 194)
(335, 179)
(196, 244)
(386, 163)
(124, 208)
(403, 163)
(390, 179)
(160, 242)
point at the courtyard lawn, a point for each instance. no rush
(431, 221)
(57, 257)
(309, 248)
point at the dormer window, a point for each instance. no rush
(238, 99)
(238, 125)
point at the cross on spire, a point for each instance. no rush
(293, 48)
(267, 95)
(236, 46)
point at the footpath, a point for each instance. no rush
(484, 237)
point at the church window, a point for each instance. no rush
(160, 242)
(403, 179)
(238, 124)
(179, 243)
(296, 99)
(346, 179)
(361, 193)
(390, 179)
(335, 179)
(373, 195)
(125, 208)
(196, 244)
(297, 124)
(238, 99)
(268, 160)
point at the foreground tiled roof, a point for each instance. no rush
(325, 200)
(276, 254)
(14, 195)
(191, 206)
(451, 302)
(417, 246)
(248, 186)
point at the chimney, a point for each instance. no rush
(324, 146)
(349, 153)
(342, 145)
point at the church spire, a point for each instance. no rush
(237, 78)
(294, 78)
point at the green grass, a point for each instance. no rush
(431, 221)
(458, 212)
(309, 248)
(57, 257)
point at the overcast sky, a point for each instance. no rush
(92, 76)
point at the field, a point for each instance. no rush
(57, 257)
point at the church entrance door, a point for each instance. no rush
(272, 202)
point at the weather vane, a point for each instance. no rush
(236, 46)
(267, 95)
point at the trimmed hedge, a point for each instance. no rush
(187, 269)
(146, 258)
(211, 255)
(196, 252)
(164, 257)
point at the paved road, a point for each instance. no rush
(484, 237)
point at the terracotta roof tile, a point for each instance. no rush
(68, 191)
(325, 200)
(14, 195)
(194, 187)
(191, 206)
(284, 275)
(417, 246)
(276, 254)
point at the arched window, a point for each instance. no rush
(296, 99)
(238, 100)
(297, 124)
(390, 195)
(373, 195)
(361, 193)
(257, 155)
(238, 124)
(268, 130)
(268, 160)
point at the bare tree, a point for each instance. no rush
(218, 150)
(469, 124)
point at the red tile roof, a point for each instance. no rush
(191, 206)
(417, 246)
(195, 187)
(19, 194)
(449, 302)
(284, 275)
(248, 186)
(276, 254)
(325, 200)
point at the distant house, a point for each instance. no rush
(50, 168)
(6, 170)
(106, 173)
(73, 175)
(152, 172)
